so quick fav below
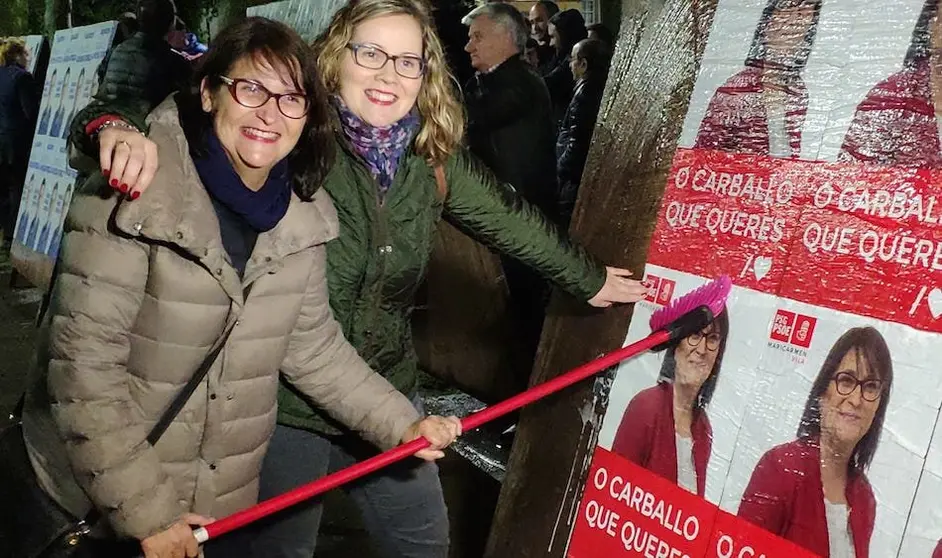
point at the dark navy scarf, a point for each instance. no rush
(262, 210)
(381, 147)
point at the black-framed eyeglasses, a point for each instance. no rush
(712, 340)
(374, 58)
(251, 94)
(846, 383)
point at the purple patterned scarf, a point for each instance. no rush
(380, 147)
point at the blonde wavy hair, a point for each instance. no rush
(443, 117)
(11, 49)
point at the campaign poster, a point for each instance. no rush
(804, 421)
(69, 84)
(308, 17)
(34, 44)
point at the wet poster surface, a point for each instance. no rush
(805, 420)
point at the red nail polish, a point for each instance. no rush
(123, 188)
(135, 194)
(106, 172)
(114, 182)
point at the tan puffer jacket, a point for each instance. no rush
(144, 290)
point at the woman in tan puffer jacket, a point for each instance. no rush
(231, 234)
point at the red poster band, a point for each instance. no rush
(859, 239)
(628, 511)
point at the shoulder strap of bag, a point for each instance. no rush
(180, 400)
(175, 406)
(441, 182)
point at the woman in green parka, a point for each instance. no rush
(398, 122)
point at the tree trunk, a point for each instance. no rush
(649, 88)
(54, 17)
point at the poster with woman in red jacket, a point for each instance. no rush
(665, 428)
(814, 491)
(761, 110)
(897, 123)
(794, 176)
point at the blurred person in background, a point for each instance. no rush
(143, 70)
(600, 32)
(539, 17)
(589, 63)
(566, 29)
(19, 106)
(127, 26)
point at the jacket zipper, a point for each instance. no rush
(380, 239)
(382, 249)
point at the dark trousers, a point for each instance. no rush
(12, 177)
(402, 506)
(529, 294)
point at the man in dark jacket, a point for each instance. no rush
(589, 64)
(19, 105)
(511, 128)
(510, 121)
(143, 70)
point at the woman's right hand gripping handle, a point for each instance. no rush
(177, 541)
(127, 157)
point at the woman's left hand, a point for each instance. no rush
(618, 288)
(440, 433)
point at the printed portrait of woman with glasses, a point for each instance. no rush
(814, 491)
(665, 428)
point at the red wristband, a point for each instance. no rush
(93, 126)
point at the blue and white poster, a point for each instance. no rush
(69, 84)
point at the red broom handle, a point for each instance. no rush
(472, 421)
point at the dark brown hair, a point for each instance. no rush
(571, 28)
(921, 44)
(669, 366)
(871, 347)
(757, 52)
(275, 44)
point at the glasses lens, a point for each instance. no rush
(846, 384)
(370, 57)
(410, 67)
(293, 106)
(872, 390)
(713, 341)
(250, 94)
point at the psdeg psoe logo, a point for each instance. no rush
(660, 290)
(792, 333)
